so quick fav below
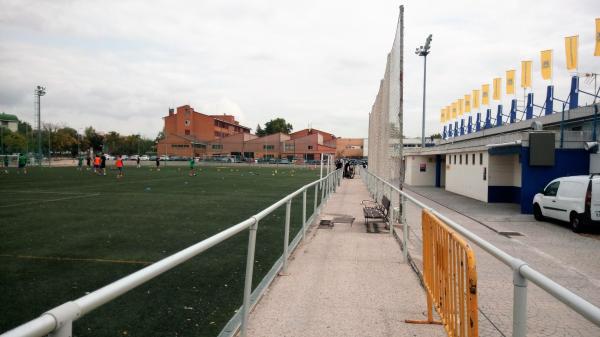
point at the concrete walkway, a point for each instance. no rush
(344, 282)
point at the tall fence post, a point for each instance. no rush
(303, 214)
(286, 239)
(404, 229)
(248, 280)
(519, 301)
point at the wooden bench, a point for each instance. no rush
(375, 213)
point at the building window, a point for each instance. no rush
(199, 146)
(460, 159)
(187, 122)
(466, 159)
(473, 159)
(481, 159)
(179, 145)
(217, 146)
(268, 147)
(187, 132)
(454, 159)
(310, 147)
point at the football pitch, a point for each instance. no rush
(65, 233)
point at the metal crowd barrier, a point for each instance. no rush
(522, 272)
(59, 321)
(450, 278)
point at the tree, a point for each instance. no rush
(274, 126)
(259, 131)
(13, 142)
(92, 139)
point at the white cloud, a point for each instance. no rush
(119, 65)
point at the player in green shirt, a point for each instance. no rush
(192, 170)
(6, 164)
(80, 163)
(22, 163)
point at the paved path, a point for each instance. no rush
(344, 282)
(570, 259)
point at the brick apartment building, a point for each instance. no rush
(349, 148)
(188, 132)
(191, 133)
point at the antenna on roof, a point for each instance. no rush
(309, 127)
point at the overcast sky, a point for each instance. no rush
(119, 65)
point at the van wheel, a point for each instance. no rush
(537, 213)
(576, 224)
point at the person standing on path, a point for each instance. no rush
(138, 161)
(157, 163)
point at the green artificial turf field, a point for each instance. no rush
(64, 233)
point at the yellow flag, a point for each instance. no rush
(571, 46)
(467, 103)
(497, 88)
(475, 96)
(597, 51)
(546, 60)
(461, 104)
(485, 94)
(525, 74)
(454, 110)
(510, 82)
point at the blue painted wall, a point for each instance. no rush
(568, 162)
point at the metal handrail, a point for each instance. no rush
(59, 320)
(522, 272)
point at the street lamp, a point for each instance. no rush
(424, 51)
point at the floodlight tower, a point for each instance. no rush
(39, 92)
(424, 51)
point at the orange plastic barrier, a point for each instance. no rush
(450, 278)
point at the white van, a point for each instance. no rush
(573, 199)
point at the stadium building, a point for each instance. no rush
(507, 160)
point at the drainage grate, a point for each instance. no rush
(510, 234)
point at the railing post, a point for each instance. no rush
(303, 214)
(316, 199)
(404, 229)
(322, 191)
(519, 301)
(248, 280)
(286, 235)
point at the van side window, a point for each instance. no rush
(552, 189)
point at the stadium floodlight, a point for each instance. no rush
(424, 51)
(39, 92)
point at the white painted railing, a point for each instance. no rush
(59, 321)
(521, 271)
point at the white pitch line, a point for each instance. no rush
(44, 192)
(51, 200)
